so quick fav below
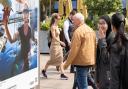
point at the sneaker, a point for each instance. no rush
(63, 77)
(44, 73)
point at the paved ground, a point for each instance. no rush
(53, 81)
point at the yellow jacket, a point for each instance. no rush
(83, 47)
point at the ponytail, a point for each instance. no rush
(118, 22)
(120, 37)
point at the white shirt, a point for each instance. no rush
(66, 28)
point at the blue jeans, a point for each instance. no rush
(81, 77)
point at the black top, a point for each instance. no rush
(119, 66)
(25, 40)
(103, 62)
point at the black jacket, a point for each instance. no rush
(103, 62)
(119, 66)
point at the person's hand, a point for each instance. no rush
(62, 44)
(63, 64)
(6, 14)
(101, 34)
(69, 44)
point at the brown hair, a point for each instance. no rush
(73, 12)
(54, 16)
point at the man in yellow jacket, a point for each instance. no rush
(83, 49)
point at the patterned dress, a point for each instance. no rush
(56, 52)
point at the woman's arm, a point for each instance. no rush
(102, 45)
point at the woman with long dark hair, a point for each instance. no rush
(102, 59)
(119, 54)
(56, 51)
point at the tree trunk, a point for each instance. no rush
(50, 8)
(46, 10)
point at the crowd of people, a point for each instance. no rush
(106, 51)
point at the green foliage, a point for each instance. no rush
(92, 23)
(101, 7)
(97, 8)
(46, 25)
(61, 23)
(45, 8)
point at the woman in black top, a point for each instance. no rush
(119, 54)
(102, 59)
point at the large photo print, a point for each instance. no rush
(18, 37)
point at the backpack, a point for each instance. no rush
(49, 38)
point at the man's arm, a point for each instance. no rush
(5, 23)
(15, 36)
(66, 28)
(75, 46)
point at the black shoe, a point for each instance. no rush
(44, 73)
(63, 77)
(72, 71)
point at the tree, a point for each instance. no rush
(97, 8)
(45, 6)
(101, 7)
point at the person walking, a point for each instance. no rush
(82, 52)
(56, 51)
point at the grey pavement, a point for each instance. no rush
(53, 81)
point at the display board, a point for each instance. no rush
(18, 44)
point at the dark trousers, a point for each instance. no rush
(67, 50)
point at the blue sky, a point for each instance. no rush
(124, 3)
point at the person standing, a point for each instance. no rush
(68, 32)
(68, 29)
(82, 52)
(119, 54)
(102, 59)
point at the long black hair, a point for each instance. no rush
(109, 30)
(118, 21)
(108, 21)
